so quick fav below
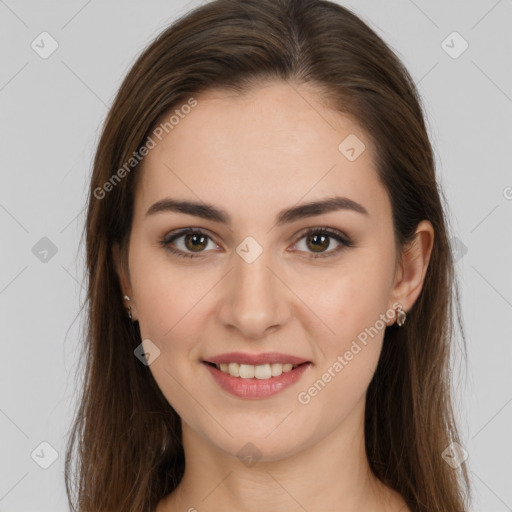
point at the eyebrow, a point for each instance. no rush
(215, 214)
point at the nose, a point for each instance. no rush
(255, 300)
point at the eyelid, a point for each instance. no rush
(344, 240)
(324, 229)
(167, 240)
(339, 236)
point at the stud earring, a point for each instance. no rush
(128, 307)
(401, 315)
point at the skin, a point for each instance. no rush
(253, 155)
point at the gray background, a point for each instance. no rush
(51, 113)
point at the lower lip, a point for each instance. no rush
(256, 388)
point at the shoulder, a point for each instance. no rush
(395, 502)
(163, 506)
(401, 506)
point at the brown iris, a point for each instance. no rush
(318, 246)
(197, 241)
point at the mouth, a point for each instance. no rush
(255, 381)
(260, 371)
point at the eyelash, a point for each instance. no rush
(337, 235)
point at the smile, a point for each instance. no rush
(255, 381)
(261, 371)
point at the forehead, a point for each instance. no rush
(275, 145)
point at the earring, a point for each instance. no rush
(128, 307)
(401, 315)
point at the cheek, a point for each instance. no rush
(350, 302)
(354, 308)
(166, 295)
(353, 305)
(169, 305)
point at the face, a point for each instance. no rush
(314, 284)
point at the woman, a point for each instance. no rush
(270, 279)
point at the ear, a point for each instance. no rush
(121, 269)
(411, 273)
(121, 266)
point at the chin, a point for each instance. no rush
(250, 449)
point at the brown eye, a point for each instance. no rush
(318, 240)
(195, 242)
(186, 242)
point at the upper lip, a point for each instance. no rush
(256, 359)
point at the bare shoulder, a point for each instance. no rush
(163, 505)
(403, 508)
(396, 502)
(400, 505)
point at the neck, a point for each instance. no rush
(330, 474)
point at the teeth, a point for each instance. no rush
(234, 369)
(261, 371)
(246, 371)
(276, 369)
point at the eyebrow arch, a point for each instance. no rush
(213, 213)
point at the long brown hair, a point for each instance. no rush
(126, 437)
